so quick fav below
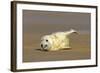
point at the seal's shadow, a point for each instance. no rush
(57, 50)
(38, 49)
(41, 50)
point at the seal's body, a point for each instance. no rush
(56, 41)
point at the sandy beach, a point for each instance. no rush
(39, 23)
(80, 49)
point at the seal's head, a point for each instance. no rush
(46, 43)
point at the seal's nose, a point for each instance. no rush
(46, 45)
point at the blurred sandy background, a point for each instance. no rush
(39, 23)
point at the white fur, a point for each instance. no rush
(56, 41)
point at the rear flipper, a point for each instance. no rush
(71, 31)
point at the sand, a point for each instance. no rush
(37, 23)
(80, 49)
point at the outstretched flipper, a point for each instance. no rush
(71, 31)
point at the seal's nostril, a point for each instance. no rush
(42, 45)
(46, 45)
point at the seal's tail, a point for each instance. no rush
(71, 31)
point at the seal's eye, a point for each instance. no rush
(46, 40)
